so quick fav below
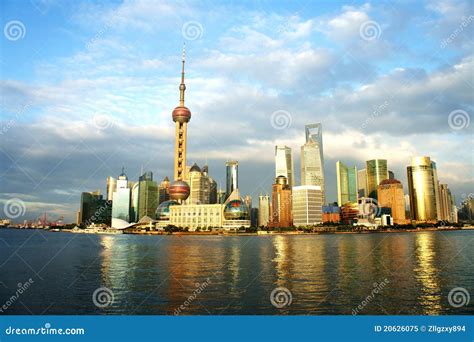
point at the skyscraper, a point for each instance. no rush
(111, 186)
(390, 195)
(312, 158)
(148, 196)
(377, 171)
(94, 209)
(232, 177)
(281, 203)
(284, 163)
(121, 199)
(263, 210)
(199, 186)
(307, 205)
(362, 183)
(422, 185)
(179, 189)
(164, 190)
(447, 206)
(346, 184)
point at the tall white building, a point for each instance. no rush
(263, 210)
(307, 205)
(121, 199)
(284, 163)
(312, 158)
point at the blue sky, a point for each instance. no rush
(87, 87)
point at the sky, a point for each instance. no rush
(88, 87)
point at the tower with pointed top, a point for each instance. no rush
(179, 189)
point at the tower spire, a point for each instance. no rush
(182, 86)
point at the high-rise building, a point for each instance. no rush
(213, 199)
(94, 209)
(164, 190)
(362, 183)
(284, 163)
(135, 193)
(312, 158)
(377, 171)
(307, 205)
(179, 189)
(447, 205)
(121, 199)
(111, 186)
(221, 195)
(199, 186)
(232, 177)
(263, 210)
(391, 175)
(390, 194)
(422, 186)
(148, 196)
(347, 190)
(281, 203)
(466, 211)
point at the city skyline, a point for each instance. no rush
(52, 152)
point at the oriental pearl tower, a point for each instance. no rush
(179, 189)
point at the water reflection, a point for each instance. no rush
(426, 274)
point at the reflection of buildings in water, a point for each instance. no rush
(281, 260)
(426, 273)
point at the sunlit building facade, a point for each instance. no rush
(232, 177)
(347, 190)
(148, 196)
(306, 205)
(390, 195)
(111, 187)
(423, 189)
(377, 171)
(362, 183)
(263, 210)
(193, 216)
(281, 203)
(312, 157)
(284, 163)
(121, 199)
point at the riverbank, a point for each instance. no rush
(320, 231)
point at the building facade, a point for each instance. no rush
(362, 183)
(284, 163)
(263, 210)
(377, 171)
(312, 157)
(281, 203)
(390, 194)
(148, 196)
(121, 199)
(232, 177)
(347, 189)
(423, 189)
(307, 205)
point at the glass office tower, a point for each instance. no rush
(377, 171)
(347, 190)
(423, 189)
(312, 158)
(284, 163)
(232, 177)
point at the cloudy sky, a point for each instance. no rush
(89, 87)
